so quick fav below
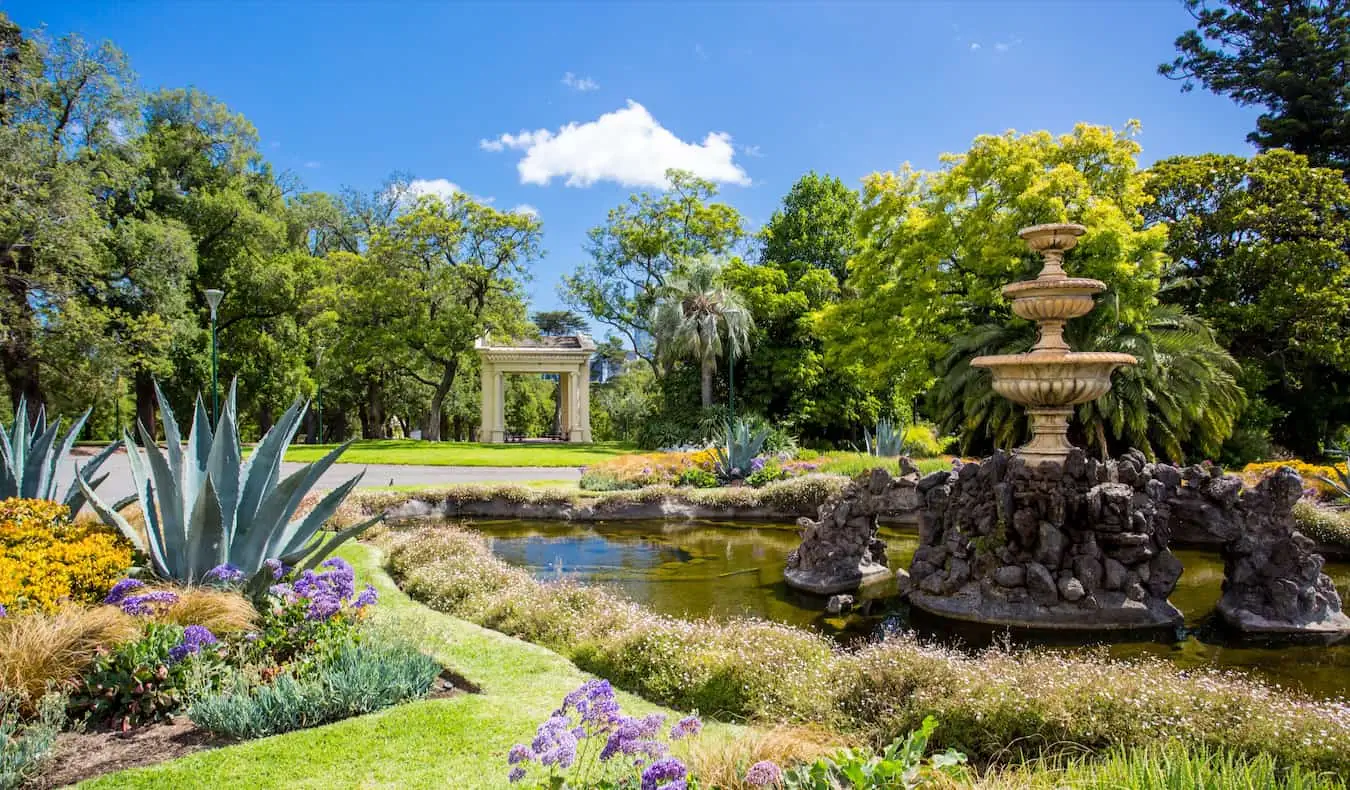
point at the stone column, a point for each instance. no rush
(582, 421)
(499, 409)
(488, 400)
(565, 396)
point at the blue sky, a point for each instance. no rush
(751, 94)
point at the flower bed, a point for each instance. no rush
(1253, 473)
(46, 561)
(696, 469)
(994, 706)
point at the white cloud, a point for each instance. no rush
(582, 84)
(440, 187)
(751, 150)
(1003, 46)
(527, 210)
(974, 46)
(626, 146)
(313, 165)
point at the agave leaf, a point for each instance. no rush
(222, 468)
(74, 498)
(18, 440)
(111, 516)
(37, 470)
(298, 533)
(161, 555)
(62, 450)
(281, 502)
(262, 471)
(326, 548)
(172, 515)
(199, 448)
(9, 479)
(206, 535)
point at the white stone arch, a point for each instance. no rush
(567, 355)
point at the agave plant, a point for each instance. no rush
(29, 456)
(743, 443)
(888, 441)
(1342, 483)
(206, 506)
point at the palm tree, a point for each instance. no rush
(696, 317)
(1182, 395)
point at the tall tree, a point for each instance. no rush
(1260, 249)
(1290, 56)
(639, 247)
(697, 317)
(813, 229)
(560, 322)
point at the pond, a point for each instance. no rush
(701, 568)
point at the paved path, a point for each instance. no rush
(119, 482)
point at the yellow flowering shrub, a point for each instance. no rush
(46, 560)
(1253, 473)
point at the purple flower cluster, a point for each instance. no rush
(145, 603)
(195, 637)
(122, 589)
(757, 464)
(590, 718)
(224, 574)
(764, 774)
(3, 611)
(327, 590)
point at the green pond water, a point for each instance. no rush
(702, 568)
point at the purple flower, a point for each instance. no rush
(322, 607)
(145, 603)
(756, 464)
(519, 753)
(689, 725)
(224, 573)
(650, 725)
(368, 597)
(281, 590)
(3, 611)
(554, 742)
(120, 590)
(664, 774)
(278, 570)
(516, 774)
(764, 774)
(195, 637)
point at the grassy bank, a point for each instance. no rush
(457, 742)
(408, 451)
(994, 706)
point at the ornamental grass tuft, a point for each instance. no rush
(39, 651)
(993, 706)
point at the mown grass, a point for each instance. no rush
(457, 742)
(995, 706)
(412, 452)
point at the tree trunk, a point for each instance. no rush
(373, 424)
(434, 418)
(16, 353)
(707, 382)
(265, 421)
(145, 403)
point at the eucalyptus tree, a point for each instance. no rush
(699, 318)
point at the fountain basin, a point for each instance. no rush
(1053, 379)
(1054, 300)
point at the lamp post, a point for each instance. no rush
(318, 389)
(731, 382)
(213, 297)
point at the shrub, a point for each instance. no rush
(149, 679)
(1323, 524)
(222, 611)
(990, 705)
(25, 744)
(1311, 474)
(695, 477)
(45, 560)
(38, 651)
(764, 471)
(899, 765)
(360, 677)
(1171, 767)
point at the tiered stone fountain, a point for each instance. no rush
(1046, 537)
(1051, 379)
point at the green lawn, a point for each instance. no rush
(460, 742)
(408, 451)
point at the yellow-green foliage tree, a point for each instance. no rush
(936, 248)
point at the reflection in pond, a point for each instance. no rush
(701, 568)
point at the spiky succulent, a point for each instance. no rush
(1342, 482)
(743, 442)
(888, 442)
(29, 455)
(205, 505)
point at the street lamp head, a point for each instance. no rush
(213, 297)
